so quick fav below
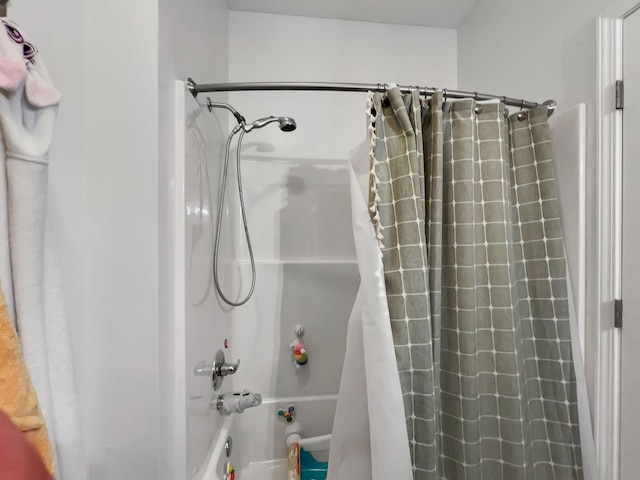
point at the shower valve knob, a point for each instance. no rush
(228, 368)
(217, 370)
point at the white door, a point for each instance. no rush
(630, 366)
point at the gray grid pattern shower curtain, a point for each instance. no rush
(464, 201)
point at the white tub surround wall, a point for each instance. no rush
(305, 275)
(193, 42)
(569, 142)
(205, 323)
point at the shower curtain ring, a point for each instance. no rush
(522, 104)
(475, 96)
(445, 94)
(427, 99)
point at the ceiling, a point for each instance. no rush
(429, 13)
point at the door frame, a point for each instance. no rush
(606, 232)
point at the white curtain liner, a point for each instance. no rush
(369, 437)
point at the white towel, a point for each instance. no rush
(28, 110)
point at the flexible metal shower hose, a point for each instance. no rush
(216, 246)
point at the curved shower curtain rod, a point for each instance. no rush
(195, 89)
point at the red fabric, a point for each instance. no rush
(19, 460)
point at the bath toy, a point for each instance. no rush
(288, 414)
(229, 472)
(298, 349)
(300, 354)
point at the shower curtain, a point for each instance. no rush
(29, 272)
(463, 201)
(369, 438)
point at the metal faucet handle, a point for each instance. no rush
(228, 368)
(217, 370)
(203, 369)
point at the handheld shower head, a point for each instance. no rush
(286, 124)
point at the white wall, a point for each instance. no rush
(110, 196)
(103, 191)
(281, 48)
(121, 148)
(540, 50)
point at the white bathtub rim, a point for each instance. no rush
(212, 469)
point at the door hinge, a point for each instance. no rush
(619, 94)
(617, 316)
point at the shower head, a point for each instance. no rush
(286, 124)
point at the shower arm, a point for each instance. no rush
(211, 104)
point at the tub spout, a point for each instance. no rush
(237, 402)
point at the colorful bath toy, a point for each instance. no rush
(300, 353)
(298, 349)
(229, 472)
(288, 414)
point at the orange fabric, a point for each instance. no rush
(18, 398)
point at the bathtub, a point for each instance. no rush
(218, 460)
(259, 449)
